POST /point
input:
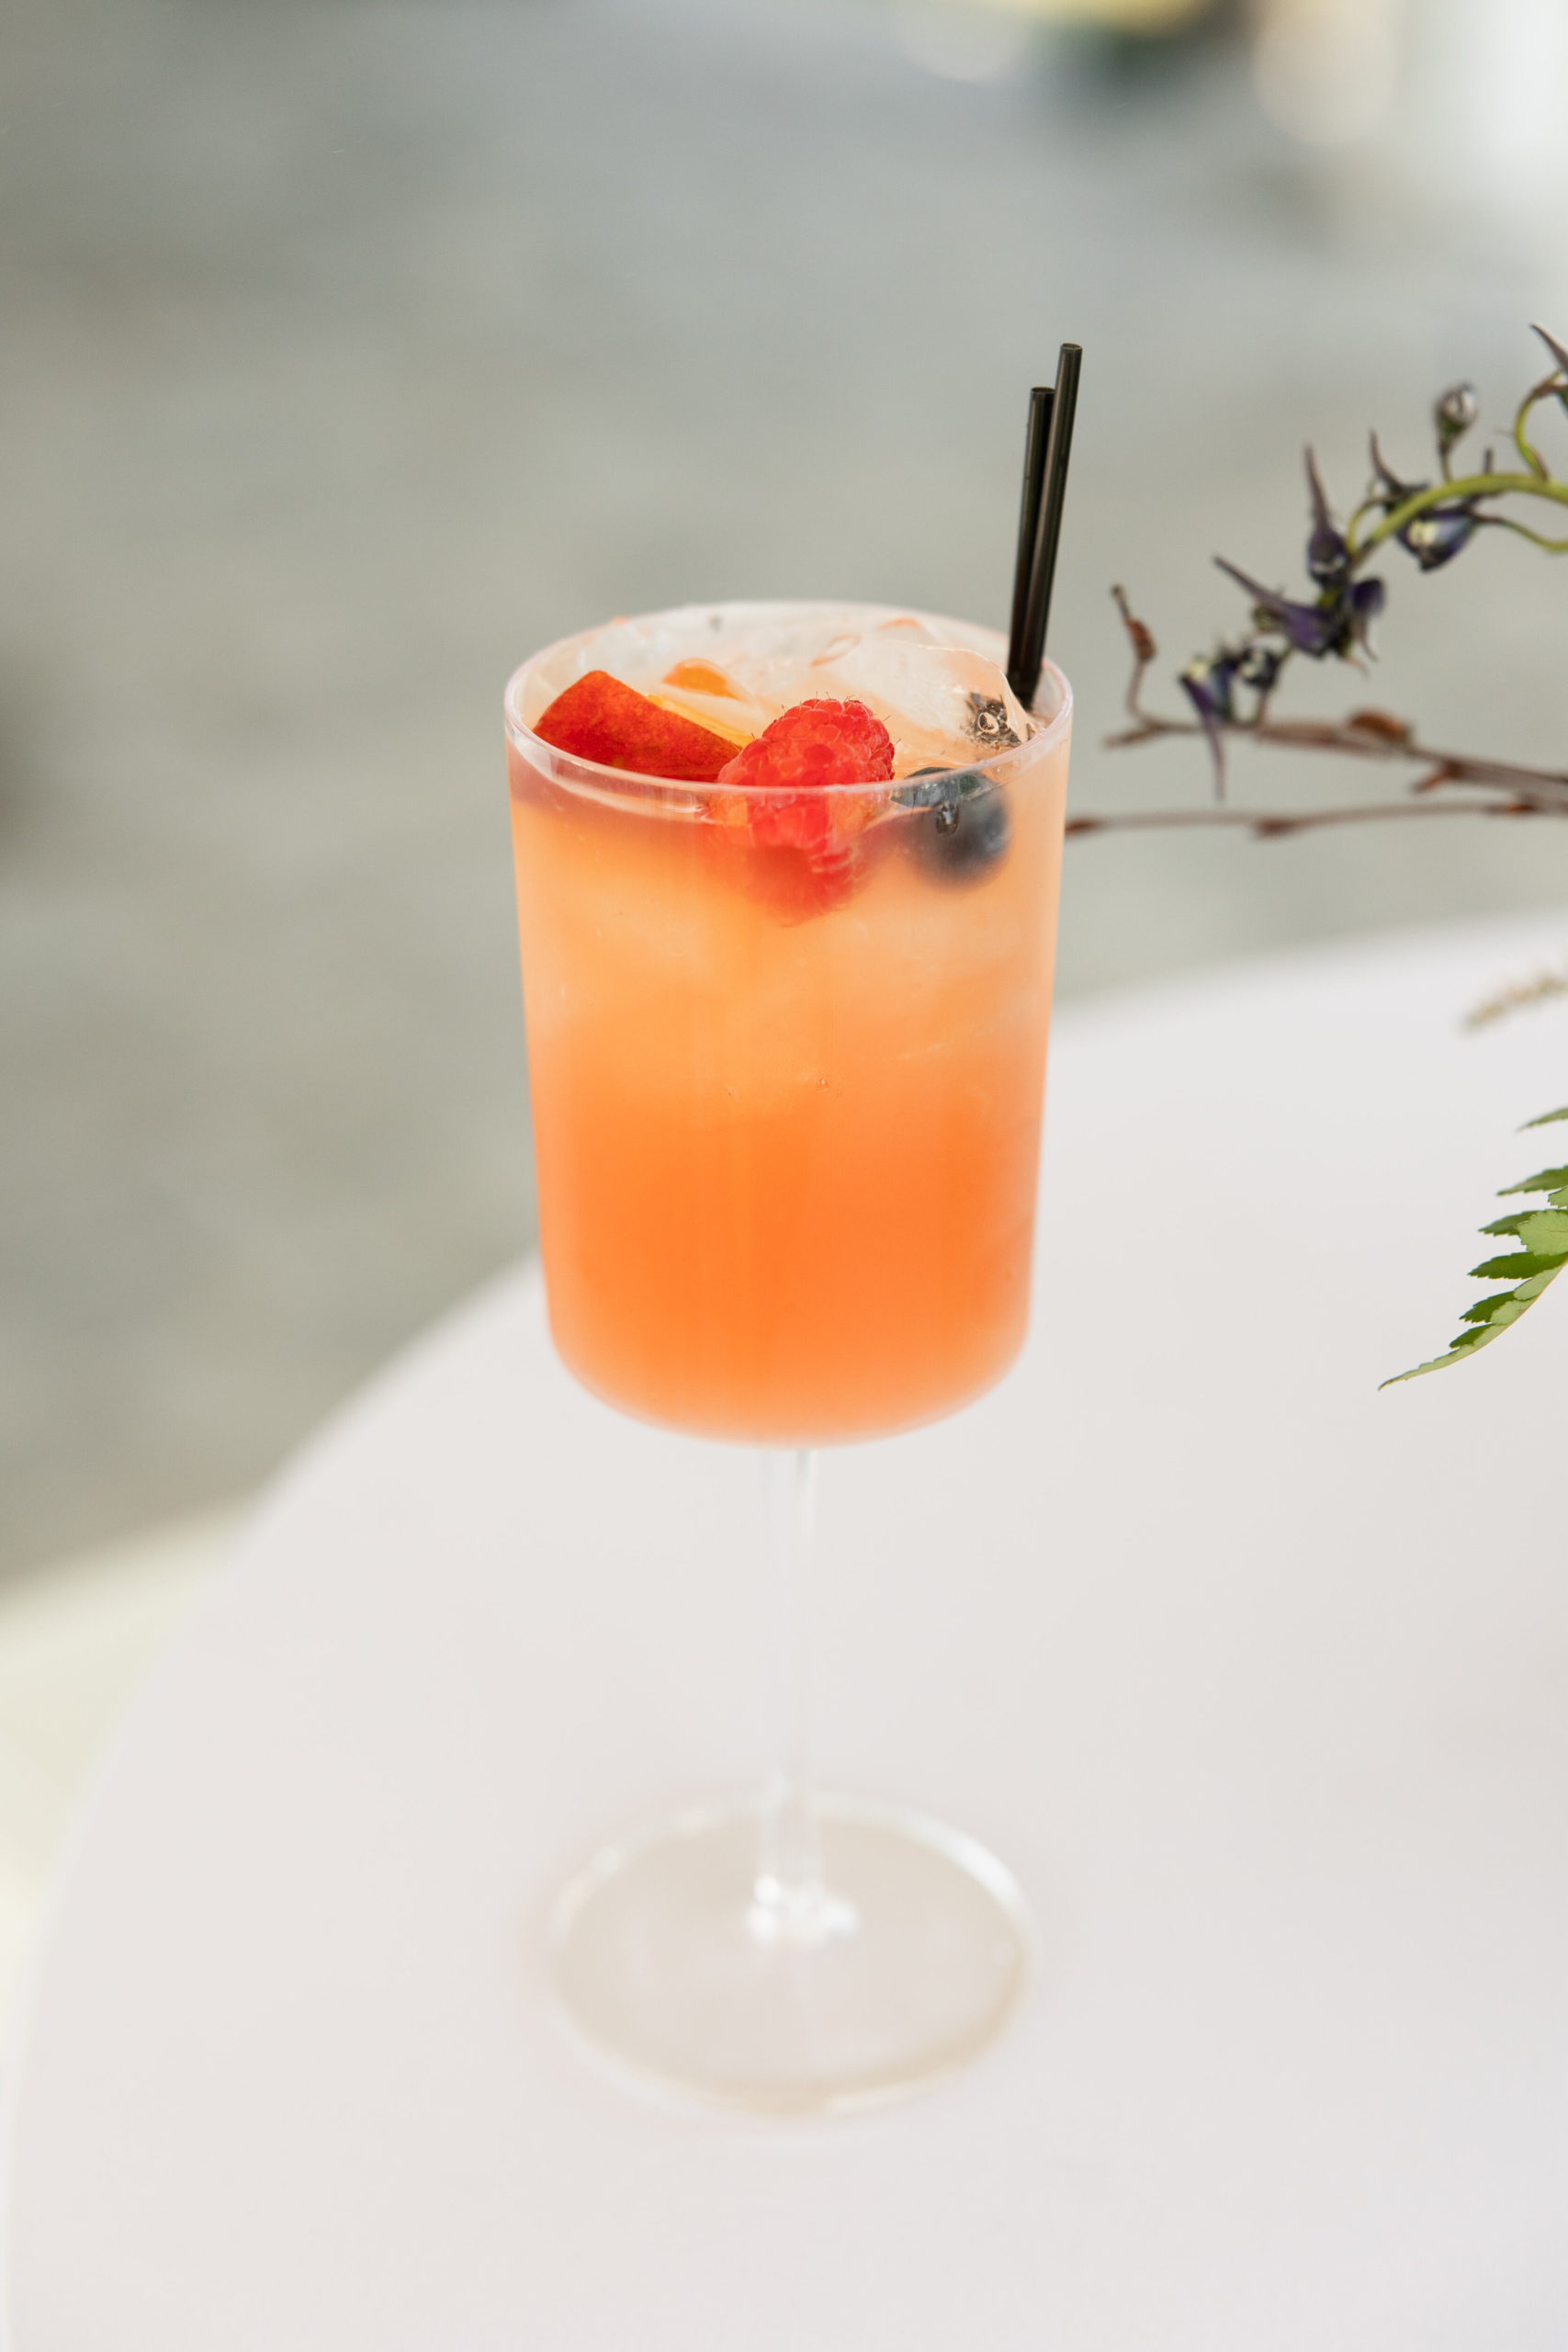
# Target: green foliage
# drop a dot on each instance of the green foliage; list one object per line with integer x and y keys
{"x": 1542, "y": 1236}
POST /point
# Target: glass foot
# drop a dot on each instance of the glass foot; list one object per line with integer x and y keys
{"x": 676, "y": 1963}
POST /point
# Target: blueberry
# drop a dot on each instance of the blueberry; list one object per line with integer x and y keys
{"x": 961, "y": 839}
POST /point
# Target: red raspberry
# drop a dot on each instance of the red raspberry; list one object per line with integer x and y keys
{"x": 815, "y": 743}
{"x": 812, "y": 746}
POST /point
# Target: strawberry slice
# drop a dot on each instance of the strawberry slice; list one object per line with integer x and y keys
{"x": 599, "y": 718}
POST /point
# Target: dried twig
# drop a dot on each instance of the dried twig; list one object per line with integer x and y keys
{"x": 1517, "y": 997}
{"x": 1267, "y": 826}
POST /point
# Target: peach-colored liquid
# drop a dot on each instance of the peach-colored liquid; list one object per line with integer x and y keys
{"x": 786, "y": 1166}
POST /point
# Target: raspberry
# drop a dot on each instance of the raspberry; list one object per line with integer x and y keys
{"x": 788, "y": 765}
{"x": 815, "y": 743}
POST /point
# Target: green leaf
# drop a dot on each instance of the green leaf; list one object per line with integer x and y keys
{"x": 1542, "y": 1235}
{"x": 1523, "y": 1262}
{"x": 1545, "y": 1120}
{"x": 1546, "y": 1181}
{"x": 1542, "y": 1229}
{"x": 1489, "y": 1317}
{"x": 1482, "y": 1311}
{"x": 1531, "y": 1290}
{"x": 1498, "y": 1312}
{"x": 1465, "y": 1345}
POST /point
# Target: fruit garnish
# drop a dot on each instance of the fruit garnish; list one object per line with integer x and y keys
{"x": 709, "y": 696}
{"x": 963, "y": 825}
{"x": 815, "y": 745}
{"x": 961, "y": 839}
{"x": 700, "y": 678}
{"x": 599, "y": 718}
{"x": 789, "y": 771}
{"x": 733, "y": 736}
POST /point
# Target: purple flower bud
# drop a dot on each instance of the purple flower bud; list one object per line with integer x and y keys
{"x": 1314, "y": 630}
{"x": 1436, "y": 538}
{"x": 1259, "y": 666}
{"x": 1207, "y": 681}
{"x": 1368, "y": 598}
{"x": 1328, "y": 558}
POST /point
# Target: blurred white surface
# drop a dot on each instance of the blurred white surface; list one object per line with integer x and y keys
{"x": 76, "y": 1639}
{"x": 1257, "y": 1676}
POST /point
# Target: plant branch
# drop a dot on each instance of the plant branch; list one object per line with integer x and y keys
{"x": 1229, "y": 690}
{"x": 1522, "y": 442}
{"x": 1371, "y": 735}
{"x": 1140, "y": 637}
{"x": 1535, "y": 538}
{"x": 1515, "y": 997}
{"x": 1269, "y": 826}
{"x": 1447, "y": 493}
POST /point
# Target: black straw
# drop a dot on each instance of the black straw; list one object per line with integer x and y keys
{"x": 1025, "y": 678}
{"x": 1029, "y": 519}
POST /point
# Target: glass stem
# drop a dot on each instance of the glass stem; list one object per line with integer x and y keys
{"x": 788, "y": 1900}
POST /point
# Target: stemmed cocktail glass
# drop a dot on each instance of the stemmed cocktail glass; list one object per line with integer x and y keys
{"x": 787, "y": 1104}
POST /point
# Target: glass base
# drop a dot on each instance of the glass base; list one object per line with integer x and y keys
{"x": 676, "y": 1965}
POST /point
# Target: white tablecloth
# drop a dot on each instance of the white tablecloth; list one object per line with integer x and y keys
{"x": 1258, "y": 1679}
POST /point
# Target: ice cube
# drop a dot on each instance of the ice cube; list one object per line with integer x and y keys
{"x": 702, "y": 691}
{"x": 943, "y": 705}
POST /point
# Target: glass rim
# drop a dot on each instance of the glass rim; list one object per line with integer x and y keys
{"x": 1000, "y": 764}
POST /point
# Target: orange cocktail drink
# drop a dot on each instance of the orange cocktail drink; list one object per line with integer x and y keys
{"x": 787, "y": 1048}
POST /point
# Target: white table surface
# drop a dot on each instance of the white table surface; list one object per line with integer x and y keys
{"x": 1257, "y": 1678}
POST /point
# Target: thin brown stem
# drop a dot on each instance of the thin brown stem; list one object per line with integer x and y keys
{"x": 1144, "y": 651}
{"x": 1373, "y": 736}
{"x": 1267, "y": 825}
{"x": 1517, "y": 997}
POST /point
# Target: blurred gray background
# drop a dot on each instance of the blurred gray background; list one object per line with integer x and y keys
{"x": 353, "y": 349}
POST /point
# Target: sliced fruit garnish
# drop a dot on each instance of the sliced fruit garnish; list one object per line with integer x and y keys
{"x": 704, "y": 693}
{"x": 599, "y": 718}
{"x": 733, "y": 736}
{"x": 700, "y": 678}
